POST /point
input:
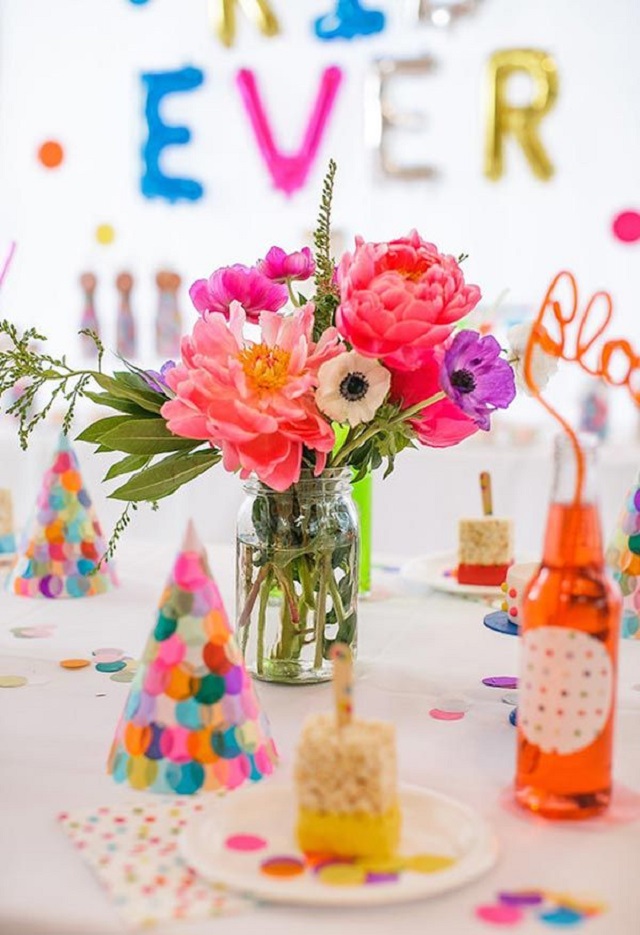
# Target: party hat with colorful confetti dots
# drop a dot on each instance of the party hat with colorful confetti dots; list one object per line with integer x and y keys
{"x": 192, "y": 721}
{"x": 623, "y": 559}
{"x": 62, "y": 546}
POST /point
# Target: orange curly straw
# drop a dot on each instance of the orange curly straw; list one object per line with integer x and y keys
{"x": 584, "y": 344}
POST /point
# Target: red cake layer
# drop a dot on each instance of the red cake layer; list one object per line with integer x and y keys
{"x": 482, "y": 574}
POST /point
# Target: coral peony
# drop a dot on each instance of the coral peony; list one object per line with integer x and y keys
{"x": 442, "y": 424}
{"x": 238, "y": 283}
{"x": 280, "y": 266}
{"x": 254, "y": 401}
{"x": 475, "y": 378}
{"x": 400, "y": 299}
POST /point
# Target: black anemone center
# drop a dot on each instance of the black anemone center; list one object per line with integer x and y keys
{"x": 463, "y": 380}
{"x": 354, "y": 386}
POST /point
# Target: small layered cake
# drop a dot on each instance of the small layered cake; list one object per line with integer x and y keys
{"x": 346, "y": 780}
{"x": 518, "y": 577}
{"x": 485, "y": 550}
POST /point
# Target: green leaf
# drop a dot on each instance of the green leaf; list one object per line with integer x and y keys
{"x": 122, "y": 389}
{"x": 128, "y": 465}
{"x": 95, "y": 431}
{"x": 163, "y": 479}
{"x": 122, "y": 405}
{"x": 145, "y": 437}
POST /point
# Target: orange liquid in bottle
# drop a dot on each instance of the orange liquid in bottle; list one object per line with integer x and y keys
{"x": 568, "y": 678}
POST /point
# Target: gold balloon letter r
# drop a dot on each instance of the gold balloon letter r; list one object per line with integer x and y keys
{"x": 504, "y": 118}
{"x": 223, "y": 16}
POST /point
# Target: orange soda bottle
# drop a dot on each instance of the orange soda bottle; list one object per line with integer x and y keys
{"x": 568, "y": 675}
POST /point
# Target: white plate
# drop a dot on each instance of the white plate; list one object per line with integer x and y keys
{"x": 432, "y": 824}
{"x": 429, "y": 571}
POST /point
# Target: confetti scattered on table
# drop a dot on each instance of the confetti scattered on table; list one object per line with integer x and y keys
{"x": 245, "y": 842}
{"x": 108, "y": 651}
{"x": 513, "y": 717}
{"x": 428, "y": 863}
{"x": 501, "y": 681}
{"x": 110, "y": 666}
{"x": 75, "y": 663}
{"x": 283, "y": 867}
{"x": 553, "y": 909}
{"x": 521, "y": 897}
{"x": 561, "y": 916}
{"x": 510, "y": 698}
{"x": 33, "y": 633}
{"x": 13, "y": 681}
{"x": 125, "y": 676}
{"x": 499, "y": 914}
{"x": 439, "y": 715}
{"x": 452, "y": 703}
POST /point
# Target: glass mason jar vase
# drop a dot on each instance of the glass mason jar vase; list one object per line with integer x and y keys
{"x": 297, "y": 576}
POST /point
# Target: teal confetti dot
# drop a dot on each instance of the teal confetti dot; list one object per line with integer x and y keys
{"x": 110, "y": 666}
{"x": 561, "y": 916}
{"x": 211, "y": 689}
{"x": 185, "y": 779}
{"x": 188, "y": 714}
{"x": 165, "y": 627}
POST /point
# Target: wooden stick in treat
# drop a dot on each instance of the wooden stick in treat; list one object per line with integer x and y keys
{"x": 342, "y": 683}
{"x": 487, "y": 496}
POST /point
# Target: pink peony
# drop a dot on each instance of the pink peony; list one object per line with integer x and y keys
{"x": 280, "y": 266}
{"x": 442, "y": 424}
{"x": 237, "y": 283}
{"x": 254, "y": 401}
{"x": 400, "y": 299}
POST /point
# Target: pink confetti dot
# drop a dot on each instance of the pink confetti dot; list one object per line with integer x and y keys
{"x": 497, "y": 914}
{"x": 626, "y": 226}
{"x": 440, "y": 715}
{"x": 245, "y": 842}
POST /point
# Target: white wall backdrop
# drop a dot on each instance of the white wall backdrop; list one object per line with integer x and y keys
{"x": 70, "y": 70}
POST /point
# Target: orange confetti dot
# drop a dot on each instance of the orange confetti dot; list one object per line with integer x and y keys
{"x": 282, "y": 867}
{"x": 137, "y": 739}
{"x": 182, "y": 684}
{"x": 199, "y": 746}
{"x": 51, "y": 154}
{"x": 75, "y": 663}
{"x": 71, "y": 480}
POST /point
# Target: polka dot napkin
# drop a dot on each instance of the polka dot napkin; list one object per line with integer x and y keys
{"x": 134, "y": 852}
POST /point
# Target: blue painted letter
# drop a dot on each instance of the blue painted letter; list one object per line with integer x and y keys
{"x": 154, "y": 183}
{"x": 348, "y": 21}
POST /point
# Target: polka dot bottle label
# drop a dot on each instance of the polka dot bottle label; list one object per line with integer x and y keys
{"x": 566, "y": 689}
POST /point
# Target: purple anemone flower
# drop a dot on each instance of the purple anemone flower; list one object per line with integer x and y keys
{"x": 155, "y": 379}
{"x": 475, "y": 378}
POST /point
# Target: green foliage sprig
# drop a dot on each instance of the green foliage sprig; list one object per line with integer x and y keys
{"x": 326, "y": 298}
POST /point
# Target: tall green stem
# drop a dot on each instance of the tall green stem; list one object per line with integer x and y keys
{"x": 406, "y": 414}
{"x": 321, "y": 609}
{"x": 262, "y": 622}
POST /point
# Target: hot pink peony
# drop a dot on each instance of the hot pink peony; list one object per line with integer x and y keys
{"x": 238, "y": 283}
{"x": 254, "y": 401}
{"x": 441, "y": 425}
{"x": 400, "y": 299}
{"x": 280, "y": 266}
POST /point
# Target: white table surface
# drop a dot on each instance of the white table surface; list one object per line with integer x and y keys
{"x": 413, "y": 649}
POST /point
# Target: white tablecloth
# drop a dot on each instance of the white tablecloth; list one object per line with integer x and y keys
{"x": 55, "y": 737}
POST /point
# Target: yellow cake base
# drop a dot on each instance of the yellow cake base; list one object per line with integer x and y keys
{"x": 354, "y": 834}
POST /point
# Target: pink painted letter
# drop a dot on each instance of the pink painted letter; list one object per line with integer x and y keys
{"x": 289, "y": 172}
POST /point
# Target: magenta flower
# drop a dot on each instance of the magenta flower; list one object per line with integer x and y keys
{"x": 238, "y": 283}
{"x": 280, "y": 266}
{"x": 475, "y": 378}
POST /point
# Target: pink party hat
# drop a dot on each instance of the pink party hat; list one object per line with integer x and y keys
{"x": 64, "y": 543}
{"x": 192, "y": 721}
{"x": 623, "y": 559}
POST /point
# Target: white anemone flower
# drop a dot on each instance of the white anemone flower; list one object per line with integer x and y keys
{"x": 351, "y": 388}
{"x": 543, "y": 365}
